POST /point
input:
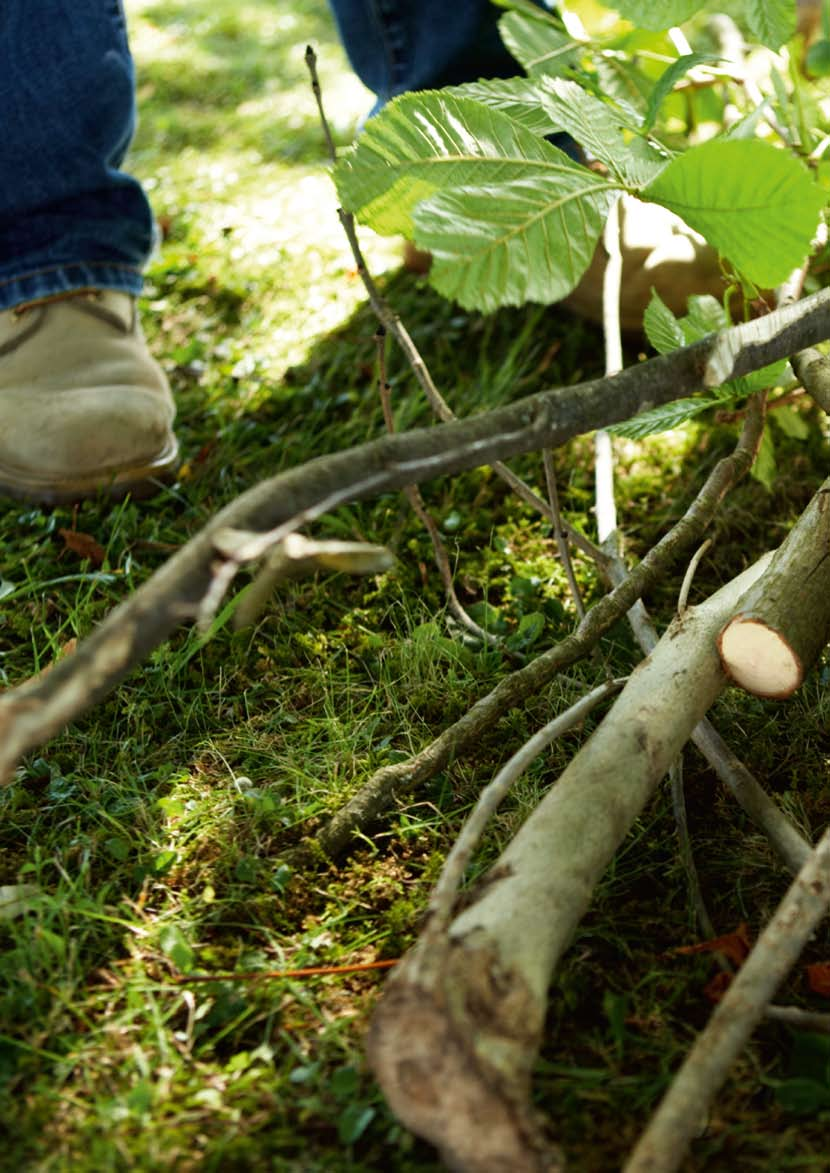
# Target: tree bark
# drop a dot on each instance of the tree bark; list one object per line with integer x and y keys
{"x": 783, "y": 622}
{"x": 455, "y": 1035}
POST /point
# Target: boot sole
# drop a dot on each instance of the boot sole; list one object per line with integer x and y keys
{"x": 140, "y": 481}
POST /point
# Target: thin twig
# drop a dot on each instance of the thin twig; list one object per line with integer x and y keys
{"x": 662, "y": 1147}
{"x": 687, "y": 855}
{"x": 558, "y": 532}
{"x": 418, "y": 505}
{"x": 688, "y": 577}
{"x": 391, "y": 323}
{"x": 446, "y": 889}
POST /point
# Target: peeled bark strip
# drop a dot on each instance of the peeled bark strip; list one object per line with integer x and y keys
{"x": 783, "y": 622}
{"x": 455, "y": 1035}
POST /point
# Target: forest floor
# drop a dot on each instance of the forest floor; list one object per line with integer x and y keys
{"x": 156, "y": 827}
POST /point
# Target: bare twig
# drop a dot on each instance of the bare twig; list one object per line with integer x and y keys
{"x": 662, "y": 1147}
{"x": 445, "y": 891}
{"x": 688, "y": 577}
{"x": 558, "y": 533}
{"x": 418, "y": 505}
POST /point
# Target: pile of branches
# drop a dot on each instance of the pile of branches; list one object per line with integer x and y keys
{"x": 455, "y": 1034}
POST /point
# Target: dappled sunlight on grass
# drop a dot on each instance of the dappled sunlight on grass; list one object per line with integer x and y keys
{"x": 247, "y": 148}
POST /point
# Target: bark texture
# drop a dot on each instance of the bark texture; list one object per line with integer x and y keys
{"x": 454, "y": 1037}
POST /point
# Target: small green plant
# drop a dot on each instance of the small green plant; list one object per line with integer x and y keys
{"x": 469, "y": 174}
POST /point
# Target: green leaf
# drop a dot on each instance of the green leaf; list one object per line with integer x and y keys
{"x": 765, "y": 468}
{"x": 517, "y": 97}
{"x": 754, "y": 203}
{"x": 803, "y": 1097}
{"x": 791, "y": 422}
{"x": 174, "y": 944}
{"x": 598, "y": 126}
{"x": 657, "y": 14}
{"x": 669, "y": 79}
{"x": 772, "y": 22}
{"x": 424, "y": 143}
{"x": 661, "y": 326}
{"x": 529, "y": 631}
{"x": 664, "y": 418}
{"x": 353, "y": 1122}
{"x": 538, "y": 44}
{"x": 526, "y": 240}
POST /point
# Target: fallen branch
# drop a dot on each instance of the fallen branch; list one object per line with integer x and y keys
{"x": 454, "y": 1037}
{"x": 783, "y": 623}
{"x": 680, "y": 1116}
{"x": 389, "y": 784}
{"x": 39, "y": 708}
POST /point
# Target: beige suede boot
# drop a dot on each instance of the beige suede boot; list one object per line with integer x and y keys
{"x": 84, "y": 408}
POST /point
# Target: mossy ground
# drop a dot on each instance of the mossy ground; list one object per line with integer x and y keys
{"x": 156, "y": 827}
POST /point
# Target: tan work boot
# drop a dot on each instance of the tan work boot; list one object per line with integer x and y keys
{"x": 84, "y": 408}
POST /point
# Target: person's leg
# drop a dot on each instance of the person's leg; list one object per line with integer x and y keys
{"x": 82, "y": 404}
{"x": 395, "y": 46}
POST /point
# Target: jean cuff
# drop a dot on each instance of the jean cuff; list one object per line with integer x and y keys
{"x": 54, "y": 279}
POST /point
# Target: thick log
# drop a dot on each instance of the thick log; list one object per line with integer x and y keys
{"x": 455, "y": 1035}
{"x": 783, "y": 622}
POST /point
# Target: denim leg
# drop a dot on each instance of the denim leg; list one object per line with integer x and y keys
{"x": 69, "y": 218}
{"x": 397, "y": 45}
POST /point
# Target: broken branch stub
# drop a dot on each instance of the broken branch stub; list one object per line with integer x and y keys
{"x": 783, "y": 621}
{"x": 454, "y": 1037}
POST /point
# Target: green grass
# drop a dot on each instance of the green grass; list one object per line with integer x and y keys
{"x": 157, "y": 826}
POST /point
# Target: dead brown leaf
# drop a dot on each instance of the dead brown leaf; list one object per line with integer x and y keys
{"x": 84, "y": 545}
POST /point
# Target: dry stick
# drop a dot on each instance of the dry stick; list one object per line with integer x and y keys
{"x": 391, "y": 323}
{"x": 454, "y": 1037}
{"x": 446, "y": 889}
{"x": 391, "y": 783}
{"x": 418, "y": 505}
{"x": 35, "y": 710}
{"x": 559, "y": 534}
{"x": 663, "y": 1146}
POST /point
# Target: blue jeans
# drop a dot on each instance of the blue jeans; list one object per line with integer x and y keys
{"x": 69, "y": 217}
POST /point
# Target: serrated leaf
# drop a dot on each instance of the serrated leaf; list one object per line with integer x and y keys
{"x": 705, "y": 316}
{"x": 424, "y": 143}
{"x": 661, "y": 326}
{"x": 755, "y": 204}
{"x": 537, "y": 43}
{"x": 664, "y": 418}
{"x": 527, "y": 240}
{"x": 656, "y": 14}
{"x": 517, "y": 97}
{"x": 772, "y": 22}
{"x": 668, "y": 80}
{"x": 621, "y": 80}
{"x": 598, "y": 127}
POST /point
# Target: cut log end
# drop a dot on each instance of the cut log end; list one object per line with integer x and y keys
{"x": 759, "y": 658}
